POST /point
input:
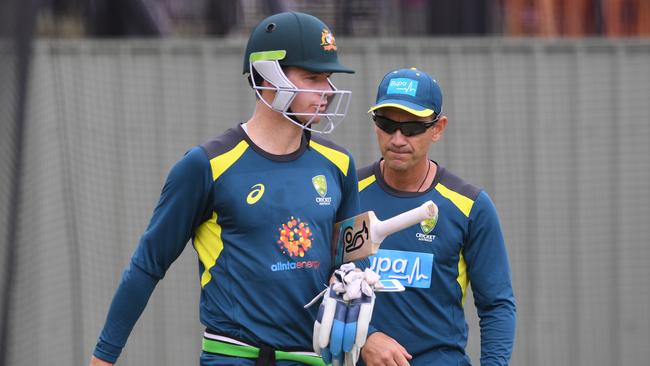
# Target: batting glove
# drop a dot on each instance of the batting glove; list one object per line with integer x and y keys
{"x": 341, "y": 327}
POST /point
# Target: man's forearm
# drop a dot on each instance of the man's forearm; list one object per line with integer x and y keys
{"x": 128, "y": 303}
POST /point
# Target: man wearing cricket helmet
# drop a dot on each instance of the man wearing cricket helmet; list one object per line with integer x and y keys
{"x": 259, "y": 203}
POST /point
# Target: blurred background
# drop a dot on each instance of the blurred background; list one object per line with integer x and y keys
{"x": 549, "y": 108}
{"x": 357, "y": 18}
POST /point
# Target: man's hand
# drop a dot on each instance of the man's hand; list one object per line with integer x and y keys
{"x": 382, "y": 350}
{"x": 94, "y": 361}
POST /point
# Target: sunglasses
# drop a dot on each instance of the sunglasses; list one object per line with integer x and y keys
{"x": 407, "y": 128}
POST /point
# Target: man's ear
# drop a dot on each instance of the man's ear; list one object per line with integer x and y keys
{"x": 439, "y": 128}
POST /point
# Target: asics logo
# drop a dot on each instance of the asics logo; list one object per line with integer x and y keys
{"x": 256, "y": 193}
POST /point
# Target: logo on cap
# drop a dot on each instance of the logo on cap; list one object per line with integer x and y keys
{"x": 327, "y": 40}
{"x": 402, "y": 86}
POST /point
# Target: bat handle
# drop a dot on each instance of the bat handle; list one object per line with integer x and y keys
{"x": 382, "y": 229}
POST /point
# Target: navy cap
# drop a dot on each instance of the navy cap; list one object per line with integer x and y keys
{"x": 411, "y": 90}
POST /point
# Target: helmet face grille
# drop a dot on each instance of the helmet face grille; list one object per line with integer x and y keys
{"x": 336, "y": 101}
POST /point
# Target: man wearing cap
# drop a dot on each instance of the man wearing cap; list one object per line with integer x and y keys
{"x": 438, "y": 259}
{"x": 259, "y": 203}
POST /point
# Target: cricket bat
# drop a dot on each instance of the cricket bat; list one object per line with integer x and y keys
{"x": 360, "y": 236}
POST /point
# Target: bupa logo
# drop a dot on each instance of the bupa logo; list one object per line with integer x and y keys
{"x": 320, "y": 185}
{"x": 402, "y": 86}
{"x": 411, "y": 269}
{"x": 427, "y": 226}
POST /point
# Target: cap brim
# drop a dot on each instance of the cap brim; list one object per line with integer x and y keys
{"x": 412, "y": 108}
{"x": 323, "y": 67}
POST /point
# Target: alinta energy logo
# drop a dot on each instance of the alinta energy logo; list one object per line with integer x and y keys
{"x": 320, "y": 185}
{"x": 427, "y": 227}
{"x": 295, "y": 241}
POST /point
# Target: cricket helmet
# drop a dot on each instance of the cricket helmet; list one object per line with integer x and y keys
{"x": 299, "y": 40}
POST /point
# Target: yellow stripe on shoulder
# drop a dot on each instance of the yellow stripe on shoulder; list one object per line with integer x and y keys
{"x": 463, "y": 203}
{"x": 208, "y": 245}
{"x": 341, "y": 160}
{"x": 366, "y": 182}
{"x": 222, "y": 162}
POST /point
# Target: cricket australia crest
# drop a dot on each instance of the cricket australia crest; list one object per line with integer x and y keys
{"x": 427, "y": 226}
{"x": 320, "y": 185}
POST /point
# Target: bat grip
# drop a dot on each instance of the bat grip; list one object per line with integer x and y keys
{"x": 384, "y": 228}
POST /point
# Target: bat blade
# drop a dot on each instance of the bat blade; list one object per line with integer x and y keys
{"x": 360, "y": 236}
{"x": 351, "y": 239}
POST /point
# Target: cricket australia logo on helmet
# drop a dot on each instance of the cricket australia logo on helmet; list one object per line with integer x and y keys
{"x": 327, "y": 40}
{"x": 320, "y": 185}
{"x": 303, "y": 41}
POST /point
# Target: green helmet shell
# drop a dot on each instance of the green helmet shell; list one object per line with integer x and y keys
{"x": 306, "y": 41}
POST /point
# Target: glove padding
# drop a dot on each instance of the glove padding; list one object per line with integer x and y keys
{"x": 341, "y": 327}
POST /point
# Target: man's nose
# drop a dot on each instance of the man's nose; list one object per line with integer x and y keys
{"x": 327, "y": 91}
{"x": 397, "y": 138}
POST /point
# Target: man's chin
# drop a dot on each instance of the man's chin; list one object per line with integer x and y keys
{"x": 397, "y": 165}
